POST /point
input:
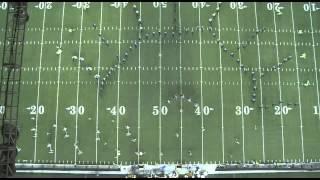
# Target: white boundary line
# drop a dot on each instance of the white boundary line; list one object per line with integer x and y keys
{"x": 298, "y": 78}
{"x": 314, "y": 55}
{"x": 38, "y": 91}
{"x": 118, "y": 94}
{"x": 98, "y": 84}
{"x": 260, "y": 83}
{"x": 58, "y": 86}
{"x": 78, "y": 83}
{"x": 93, "y": 172}
{"x": 200, "y": 56}
{"x": 180, "y": 73}
{"x": 128, "y": 28}
{"x": 139, "y": 90}
{"x": 153, "y": 42}
{"x": 221, "y": 90}
{"x": 241, "y": 89}
{"x": 160, "y": 104}
{"x": 279, "y": 81}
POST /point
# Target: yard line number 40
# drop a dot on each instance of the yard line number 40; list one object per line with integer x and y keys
{"x": 206, "y": 110}
{"x": 125, "y": 4}
{"x": 114, "y": 110}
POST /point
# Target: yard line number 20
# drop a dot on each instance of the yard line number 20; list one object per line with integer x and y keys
{"x": 44, "y": 5}
{"x": 36, "y": 110}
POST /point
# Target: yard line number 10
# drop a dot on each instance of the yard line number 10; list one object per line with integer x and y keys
{"x": 316, "y": 109}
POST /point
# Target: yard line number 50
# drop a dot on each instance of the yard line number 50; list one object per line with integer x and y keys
{"x": 159, "y": 4}
{"x": 156, "y": 110}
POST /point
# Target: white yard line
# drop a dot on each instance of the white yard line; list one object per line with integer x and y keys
{"x": 78, "y": 83}
{"x": 139, "y": 90}
{"x": 241, "y": 89}
{"x": 260, "y": 83}
{"x": 221, "y": 90}
{"x": 279, "y": 81}
{"x": 118, "y": 93}
{"x": 38, "y": 90}
{"x": 58, "y": 86}
{"x": 314, "y": 55}
{"x": 298, "y": 79}
{"x": 200, "y": 57}
{"x": 98, "y": 86}
{"x": 180, "y": 74}
{"x": 160, "y": 104}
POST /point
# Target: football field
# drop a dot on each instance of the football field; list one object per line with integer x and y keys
{"x": 128, "y": 83}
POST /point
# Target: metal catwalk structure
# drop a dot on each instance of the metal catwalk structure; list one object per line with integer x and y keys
{"x": 17, "y": 17}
